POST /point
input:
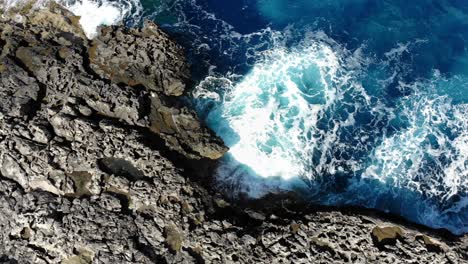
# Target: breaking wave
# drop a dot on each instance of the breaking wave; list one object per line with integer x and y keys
{"x": 303, "y": 113}
{"x": 93, "y": 13}
{"x": 271, "y": 112}
{"x": 305, "y": 118}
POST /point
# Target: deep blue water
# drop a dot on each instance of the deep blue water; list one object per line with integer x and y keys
{"x": 350, "y": 102}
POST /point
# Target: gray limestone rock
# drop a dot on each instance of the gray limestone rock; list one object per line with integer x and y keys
{"x": 140, "y": 57}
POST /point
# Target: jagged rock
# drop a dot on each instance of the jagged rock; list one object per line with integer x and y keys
{"x": 221, "y": 203}
{"x": 26, "y": 233}
{"x": 140, "y": 57}
{"x": 183, "y": 132}
{"x": 121, "y": 167}
{"x": 295, "y": 227}
{"x": 54, "y": 16}
{"x": 256, "y": 216}
{"x": 84, "y": 257}
{"x": 81, "y": 180}
{"x": 323, "y": 245}
{"x": 386, "y": 235}
{"x": 51, "y": 71}
{"x": 18, "y": 90}
{"x": 12, "y": 170}
{"x": 173, "y": 237}
{"x": 432, "y": 244}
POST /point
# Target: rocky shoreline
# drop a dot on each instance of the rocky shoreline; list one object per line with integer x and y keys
{"x": 101, "y": 162}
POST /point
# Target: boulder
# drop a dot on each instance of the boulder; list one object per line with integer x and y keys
{"x": 386, "y": 235}
{"x": 432, "y": 244}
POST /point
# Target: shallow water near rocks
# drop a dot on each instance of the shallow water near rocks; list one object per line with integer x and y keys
{"x": 353, "y": 102}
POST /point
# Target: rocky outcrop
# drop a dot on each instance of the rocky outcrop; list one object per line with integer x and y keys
{"x": 66, "y": 76}
{"x": 100, "y": 163}
{"x": 140, "y": 57}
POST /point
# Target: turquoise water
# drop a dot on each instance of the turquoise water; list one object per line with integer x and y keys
{"x": 351, "y": 102}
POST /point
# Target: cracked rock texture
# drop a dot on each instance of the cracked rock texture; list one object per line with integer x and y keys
{"x": 100, "y": 162}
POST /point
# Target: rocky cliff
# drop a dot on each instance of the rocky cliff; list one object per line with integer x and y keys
{"x": 101, "y": 162}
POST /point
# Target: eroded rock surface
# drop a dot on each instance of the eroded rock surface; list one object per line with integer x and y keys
{"x": 140, "y": 57}
{"x": 52, "y": 72}
{"x": 99, "y": 162}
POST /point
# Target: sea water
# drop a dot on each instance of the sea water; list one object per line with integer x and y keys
{"x": 347, "y": 102}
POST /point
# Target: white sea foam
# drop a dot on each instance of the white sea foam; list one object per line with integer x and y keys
{"x": 93, "y": 13}
{"x": 268, "y": 117}
{"x": 270, "y": 110}
{"x": 8, "y": 4}
{"x": 402, "y": 157}
{"x": 428, "y": 159}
